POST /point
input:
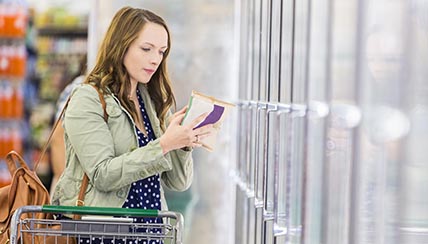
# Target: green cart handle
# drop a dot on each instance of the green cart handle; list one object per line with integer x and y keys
{"x": 107, "y": 211}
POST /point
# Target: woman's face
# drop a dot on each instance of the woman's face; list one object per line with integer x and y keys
{"x": 146, "y": 53}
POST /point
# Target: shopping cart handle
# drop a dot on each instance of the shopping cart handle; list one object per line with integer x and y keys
{"x": 106, "y": 211}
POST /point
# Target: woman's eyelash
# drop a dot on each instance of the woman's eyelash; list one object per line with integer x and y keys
{"x": 149, "y": 49}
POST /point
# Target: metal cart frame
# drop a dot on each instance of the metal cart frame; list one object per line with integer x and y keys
{"x": 120, "y": 227}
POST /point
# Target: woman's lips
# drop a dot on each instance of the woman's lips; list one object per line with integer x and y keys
{"x": 149, "y": 71}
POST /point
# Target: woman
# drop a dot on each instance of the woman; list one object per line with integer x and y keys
{"x": 141, "y": 145}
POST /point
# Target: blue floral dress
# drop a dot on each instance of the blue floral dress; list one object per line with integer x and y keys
{"x": 144, "y": 193}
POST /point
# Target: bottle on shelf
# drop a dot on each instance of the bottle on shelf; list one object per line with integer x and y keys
{"x": 13, "y": 25}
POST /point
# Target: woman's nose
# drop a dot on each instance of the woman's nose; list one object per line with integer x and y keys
{"x": 156, "y": 58}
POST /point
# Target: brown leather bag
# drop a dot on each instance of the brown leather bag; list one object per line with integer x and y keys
{"x": 27, "y": 189}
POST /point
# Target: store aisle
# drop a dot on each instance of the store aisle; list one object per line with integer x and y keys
{"x": 202, "y": 59}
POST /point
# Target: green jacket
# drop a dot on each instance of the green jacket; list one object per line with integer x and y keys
{"x": 108, "y": 152}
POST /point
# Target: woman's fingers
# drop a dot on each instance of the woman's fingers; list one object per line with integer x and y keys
{"x": 204, "y": 130}
{"x": 186, "y": 135}
{"x": 179, "y": 112}
{"x": 201, "y": 133}
{"x": 205, "y": 135}
{"x": 177, "y": 119}
{"x": 196, "y": 144}
{"x": 183, "y": 110}
{"x": 198, "y": 120}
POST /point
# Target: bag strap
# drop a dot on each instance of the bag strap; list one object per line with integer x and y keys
{"x": 11, "y": 163}
{"x": 48, "y": 142}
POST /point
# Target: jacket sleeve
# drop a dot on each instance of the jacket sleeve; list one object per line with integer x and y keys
{"x": 92, "y": 143}
{"x": 180, "y": 177}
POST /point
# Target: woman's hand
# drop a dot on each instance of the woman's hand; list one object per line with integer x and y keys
{"x": 180, "y": 112}
{"x": 178, "y": 136}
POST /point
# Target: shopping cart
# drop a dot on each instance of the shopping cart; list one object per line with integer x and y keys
{"x": 112, "y": 224}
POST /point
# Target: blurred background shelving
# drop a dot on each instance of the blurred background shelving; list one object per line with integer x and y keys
{"x": 13, "y": 63}
{"x": 61, "y": 42}
{"x": 40, "y": 53}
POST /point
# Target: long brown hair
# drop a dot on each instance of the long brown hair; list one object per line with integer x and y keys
{"x": 110, "y": 72}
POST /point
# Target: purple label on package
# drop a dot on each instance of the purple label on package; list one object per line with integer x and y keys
{"x": 213, "y": 117}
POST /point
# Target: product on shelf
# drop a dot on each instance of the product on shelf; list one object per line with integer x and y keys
{"x": 13, "y": 62}
{"x": 11, "y": 101}
{"x": 13, "y": 20}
